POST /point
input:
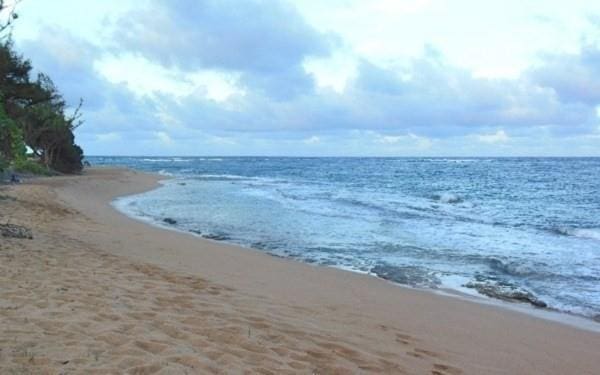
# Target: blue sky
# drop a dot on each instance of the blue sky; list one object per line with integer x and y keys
{"x": 338, "y": 77}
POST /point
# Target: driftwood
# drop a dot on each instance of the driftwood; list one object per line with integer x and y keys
{"x": 15, "y": 231}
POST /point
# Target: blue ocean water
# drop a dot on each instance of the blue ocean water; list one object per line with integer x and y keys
{"x": 525, "y": 229}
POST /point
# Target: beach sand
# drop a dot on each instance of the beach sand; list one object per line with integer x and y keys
{"x": 95, "y": 292}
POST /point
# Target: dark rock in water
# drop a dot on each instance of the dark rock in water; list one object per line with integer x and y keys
{"x": 408, "y": 275}
{"x": 196, "y": 231}
{"x": 181, "y": 183}
{"x": 506, "y": 292}
{"x": 216, "y": 237}
{"x": 169, "y": 220}
{"x": 15, "y": 231}
{"x": 596, "y": 318}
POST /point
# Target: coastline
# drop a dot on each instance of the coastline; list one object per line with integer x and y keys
{"x": 466, "y": 294}
{"x": 313, "y": 318}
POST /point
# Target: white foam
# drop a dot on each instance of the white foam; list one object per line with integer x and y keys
{"x": 225, "y": 176}
{"x": 155, "y": 160}
{"x": 591, "y": 233}
{"x": 449, "y": 198}
{"x": 587, "y": 233}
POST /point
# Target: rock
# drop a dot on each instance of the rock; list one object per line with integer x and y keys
{"x": 216, "y": 237}
{"x": 506, "y": 292}
{"x": 407, "y": 275}
{"x": 15, "y": 231}
{"x": 169, "y": 220}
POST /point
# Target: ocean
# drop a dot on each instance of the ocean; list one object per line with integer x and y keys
{"x": 517, "y": 229}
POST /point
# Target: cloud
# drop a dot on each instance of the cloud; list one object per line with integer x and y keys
{"x": 312, "y": 140}
{"x": 208, "y": 74}
{"x": 108, "y": 137}
{"x": 425, "y": 97}
{"x": 265, "y": 41}
{"x": 67, "y": 60}
{"x": 498, "y": 137}
{"x": 109, "y": 108}
{"x": 574, "y": 77}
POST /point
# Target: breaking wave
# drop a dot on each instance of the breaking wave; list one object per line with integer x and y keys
{"x": 590, "y": 233}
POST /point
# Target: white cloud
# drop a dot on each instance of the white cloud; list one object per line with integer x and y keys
{"x": 404, "y": 142}
{"x": 164, "y": 137}
{"x": 334, "y": 72}
{"x": 498, "y": 137}
{"x": 398, "y": 7}
{"x": 227, "y": 141}
{"x": 312, "y": 140}
{"x": 108, "y": 137}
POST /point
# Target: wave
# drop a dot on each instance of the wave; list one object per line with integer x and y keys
{"x": 164, "y": 160}
{"x": 457, "y": 161}
{"x": 449, "y": 198}
{"x": 224, "y": 177}
{"x": 156, "y": 160}
{"x": 516, "y": 268}
{"x": 589, "y": 233}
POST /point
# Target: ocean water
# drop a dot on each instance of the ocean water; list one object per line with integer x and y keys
{"x": 517, "y": 229}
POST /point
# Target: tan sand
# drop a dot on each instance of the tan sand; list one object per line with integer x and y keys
{"x": 98, "y": 293}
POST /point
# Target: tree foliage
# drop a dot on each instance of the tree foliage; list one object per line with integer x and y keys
{"x": 33, "y": 115}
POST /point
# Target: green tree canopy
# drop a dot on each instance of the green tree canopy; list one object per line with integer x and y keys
{"x": 33, "y": 114}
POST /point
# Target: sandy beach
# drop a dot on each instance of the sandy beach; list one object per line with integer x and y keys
{"x": 95, "y": 292}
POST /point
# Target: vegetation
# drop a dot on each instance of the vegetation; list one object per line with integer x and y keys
{"x": 33, "y": 117}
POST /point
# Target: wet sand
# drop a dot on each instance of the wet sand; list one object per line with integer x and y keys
{"x": 97, "y": 292}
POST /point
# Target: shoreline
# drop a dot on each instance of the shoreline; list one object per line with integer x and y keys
{"x": 556, "y": 316}
{"x": 161, "y": 299}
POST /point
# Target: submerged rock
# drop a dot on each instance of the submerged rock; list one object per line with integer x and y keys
{"x": 407, "y": 275}
{"x": 216, "y": 237}
{"x": 506, "y": 292}
{"x": 169, "y": 220}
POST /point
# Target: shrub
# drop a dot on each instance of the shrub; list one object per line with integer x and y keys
{"x": 31, "y": 167}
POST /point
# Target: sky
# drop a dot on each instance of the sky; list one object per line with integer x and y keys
{"x": 323, "y": 78}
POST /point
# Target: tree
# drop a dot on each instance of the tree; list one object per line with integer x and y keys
{"x": 33, "y": 114}
{"x": 12, "y": 145}
{"x": 12, "y": 15}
